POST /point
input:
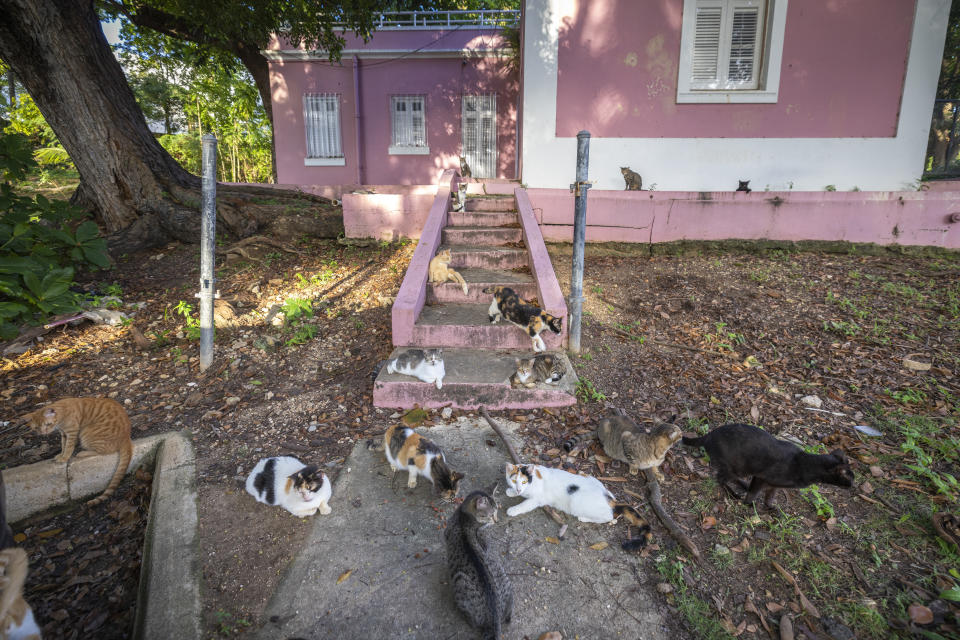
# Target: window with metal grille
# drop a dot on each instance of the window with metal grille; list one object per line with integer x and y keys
{"x": 479, "y": 124}
{"x": 409, "y": 126}
{"x": 731, "y": 50}
{"x": 321, "y": 117}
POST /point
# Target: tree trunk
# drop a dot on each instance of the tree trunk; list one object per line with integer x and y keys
{"x": 259, "y": 68}
{"x": 141, "y": 196}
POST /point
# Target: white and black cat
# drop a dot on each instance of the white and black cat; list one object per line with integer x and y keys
{"x": 582, "y": 496}
{"x": 286, "y": 482}
{"x": 423, "y": 364}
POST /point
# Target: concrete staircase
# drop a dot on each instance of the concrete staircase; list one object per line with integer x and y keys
{"x": 494, "y": 241}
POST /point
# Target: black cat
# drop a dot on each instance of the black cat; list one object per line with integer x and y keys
{"x": 744, "y": 186}
{"x": 739, "y": 450}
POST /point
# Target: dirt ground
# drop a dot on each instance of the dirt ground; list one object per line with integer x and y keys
{"x": 710, "y": 338}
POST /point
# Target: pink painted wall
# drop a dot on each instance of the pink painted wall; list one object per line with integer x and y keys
{"x": 388, "y": 216}
{"x": 842, "y": 73}
{"x": 881, "y": 217}
{"x": 442, "y": 80}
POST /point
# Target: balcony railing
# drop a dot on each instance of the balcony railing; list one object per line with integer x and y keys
{"x": 479, "y": 19}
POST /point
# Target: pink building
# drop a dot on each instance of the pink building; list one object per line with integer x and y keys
{"x": 400, "y": 108}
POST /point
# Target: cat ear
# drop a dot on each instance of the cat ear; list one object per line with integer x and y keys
{"x": 511, "y": 469}
{"x": 839, "y": 454}
{"x": 457, "y": 476}
{"x": 50, "y": 413}
{"x": 537, "y": 473}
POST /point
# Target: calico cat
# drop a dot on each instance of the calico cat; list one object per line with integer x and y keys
{"x": 16, "y": 617}
{"x": 424, "y": 364}
{"x": 622, "y": 439}
{"x": 632, "y": 178}
{"x": 531, "y": 318}
{"x": 465, "y": 168}
{"x": 285, "y": 481}
{"x": 481, "y": 588}
{"x": 99, "y": 425}
{"x": 540, "y": 368}
{"x": 744, "y": 186}
{"x": 440, "y": 270}
{"x": 458, "y": 199}
{"x": 582, "y": 496}
{"x": 740, "y": 450}
{"x": 408, "y": 450}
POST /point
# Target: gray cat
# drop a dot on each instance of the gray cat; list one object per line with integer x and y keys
{"x": 632, "y": 178}
{"x": 481, "y": 588}
{"x": 624, "y": 440}
{"x": 540, "y": 368}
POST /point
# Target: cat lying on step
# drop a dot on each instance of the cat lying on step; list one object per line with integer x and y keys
{"x": 423, "y": 364}
{"x": 286, "y": 482}
{"x": 740, "y": 450}
{"x": 407, "y": 450}
{"x": 582, "y": 496}
{"x": 541, "y": 368}
{"x": 440, "y": 270}
{"x": 531, "y": 318}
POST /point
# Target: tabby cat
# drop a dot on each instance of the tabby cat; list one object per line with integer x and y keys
{"x": 99, "y": 425}
{"x": 465, "y": 168}
{"x": 540, "y": 368}
{"x": 286, "y": 482}
{"x": 440, "y": 270}
{"x": 407, "y": 450}
{"x": 423, "y": 364}
{"x": 582, "y": 496}
{"x": 16, "y": 617}
{"x": 740, "y": 450}
{"x": 622, "y": 439}
{"x": 632, "y": 178}
{"x": 529, "y": 317}
{"x": 481, "y": 588}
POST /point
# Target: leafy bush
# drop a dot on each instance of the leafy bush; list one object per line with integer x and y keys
{"x": 40, "y": 245}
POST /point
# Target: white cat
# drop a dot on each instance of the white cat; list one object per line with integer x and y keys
{"x": 423, "y": 364}
{"x": 285, "y": 481}
{"x": 16, "y": 616}
{"x": 582, "y": 496}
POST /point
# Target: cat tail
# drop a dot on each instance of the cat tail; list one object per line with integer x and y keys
{"x": 693, "y": 442}
{"x": 458, "y": 278}
{"x": 123, "y": 461}
{"x": 572, "y": 443}
{"x": 633, "y": 517}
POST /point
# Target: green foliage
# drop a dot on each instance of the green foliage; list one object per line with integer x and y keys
{"x": 295, "y": 308}
{"x": 41, "y": 244}
{"x": 192, "y": 325}
{"x": 303, "y": 334}
{"x": 586, "y": 392}
{"x": 823, "y": 506}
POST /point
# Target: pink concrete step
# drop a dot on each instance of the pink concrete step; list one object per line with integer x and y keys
{"x": 477, "y": 281}
{"x": 481, "y": 235}
{"x": 473, "y": 379}
{"x": 487, "y": 257}
{"x": 468, "y": 326}
{"x": 483, "y": 219}
{"x": 490, "y": 203}
{"x": 492, "y": 186}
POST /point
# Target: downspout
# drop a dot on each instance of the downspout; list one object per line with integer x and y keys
{"x": 356, "y": 118}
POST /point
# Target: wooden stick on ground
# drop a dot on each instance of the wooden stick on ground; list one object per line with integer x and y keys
{"x": 653, "y": 495}
{"x": 516, "y": 460}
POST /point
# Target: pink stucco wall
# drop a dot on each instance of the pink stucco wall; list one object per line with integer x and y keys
{"x": 442, "y": 80}
{"x": 388, "y": 216}
{"x": 881, "y": 217}
{"x": 842, "y": 73}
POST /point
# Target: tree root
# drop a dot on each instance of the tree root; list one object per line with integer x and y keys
{"x": 653, "y": 495}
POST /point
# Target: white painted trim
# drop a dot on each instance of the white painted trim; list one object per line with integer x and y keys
{"x": 408, "y": 151}
{"x": 708, "y": 164}
{"x": 771, "y": 60}
{"x": 381, "y": 54}
{"x": 324, "y": 162}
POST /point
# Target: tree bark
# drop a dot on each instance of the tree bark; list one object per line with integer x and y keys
{"x": 139, "y": 194}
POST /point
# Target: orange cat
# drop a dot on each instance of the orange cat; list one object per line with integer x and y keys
{"x": 440, "y": 270}
{"x": 100, "y": 425}
{"x": 16, "y": 617}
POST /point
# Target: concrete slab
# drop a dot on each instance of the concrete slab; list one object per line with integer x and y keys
{"x": 390, "y": 541}
{"x": 468, "y": 325}
{"x": 486, "y": 256}
{"x": 474, "y": 378}
{"x": 483, "y": 219}
{"x": 482, "y": 235}
{"x": 501, "y": 202}
{"x": 478, "y": 280}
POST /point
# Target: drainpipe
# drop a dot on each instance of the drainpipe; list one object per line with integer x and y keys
{"x": 356, "y": 117}
{"x": 579, "y": 188}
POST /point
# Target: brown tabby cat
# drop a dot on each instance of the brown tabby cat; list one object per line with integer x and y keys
{"x": 624, "y": 440}
{"x": 100, "y": 425}
{"x": 632, "y": 179}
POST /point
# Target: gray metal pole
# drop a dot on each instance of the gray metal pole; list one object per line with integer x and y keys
{"x": 579, "y": 189}
{"x": 208, "y": 235}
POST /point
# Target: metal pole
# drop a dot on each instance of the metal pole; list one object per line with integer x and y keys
{"x": 579, "y": 189}
{"x": 208, "y": 235}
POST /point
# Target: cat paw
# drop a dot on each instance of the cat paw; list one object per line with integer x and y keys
{"x": 512, "y": 511}
{"x": 325, "y": 510}
{"x": 511, "y": 492}
{"x": 412, "y": 485}
{"x": 61, "y": 458}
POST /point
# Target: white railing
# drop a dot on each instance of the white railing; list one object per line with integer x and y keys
{"x": 478, "y": 19}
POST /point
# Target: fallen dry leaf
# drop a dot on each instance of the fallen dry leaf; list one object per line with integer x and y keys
{"x": 552, "y": 540}
{"x": 344, "y": 575}
{"x": 920, "y": 614}
{"x": 708, "y": 522}
{"x": 600, "y": 546}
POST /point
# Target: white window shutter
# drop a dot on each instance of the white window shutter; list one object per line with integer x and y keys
{"x": 745, "y": 40}
{"x": 479, "y": 123}
{"x": 408, "y": 122}
{"x": 321, "y": 116}
{"x": 706, "y": 43}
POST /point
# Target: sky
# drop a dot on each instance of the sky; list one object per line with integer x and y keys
{"x": 112, "y": 31}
